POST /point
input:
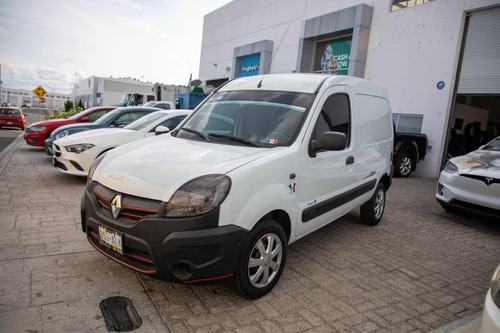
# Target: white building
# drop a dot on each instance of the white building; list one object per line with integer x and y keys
{"x": 101, "y": 91}
{"x": 23, "y": 97}
{"x": 438, "y": 59}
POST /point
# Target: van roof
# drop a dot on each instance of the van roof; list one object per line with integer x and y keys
{"x": 296, "y": 82}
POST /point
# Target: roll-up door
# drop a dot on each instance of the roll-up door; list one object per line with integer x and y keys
{"x": 480, "y": 72}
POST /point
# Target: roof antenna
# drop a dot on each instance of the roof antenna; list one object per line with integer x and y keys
{"x": 265, "y": 72}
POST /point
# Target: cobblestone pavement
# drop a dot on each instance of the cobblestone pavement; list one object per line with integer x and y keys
{"x": 418, "y": 270}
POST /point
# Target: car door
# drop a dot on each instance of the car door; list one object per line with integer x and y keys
{"x": 326, "y": 181}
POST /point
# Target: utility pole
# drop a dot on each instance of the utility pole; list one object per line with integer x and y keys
{"x": 1, "y": 83}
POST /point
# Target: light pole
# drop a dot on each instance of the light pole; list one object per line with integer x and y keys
{"x": 53, "y": 95}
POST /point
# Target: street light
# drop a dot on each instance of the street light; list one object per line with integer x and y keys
{"x": 53, "y": 95}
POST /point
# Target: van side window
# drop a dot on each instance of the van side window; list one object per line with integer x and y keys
{"x": 335, "y": 116}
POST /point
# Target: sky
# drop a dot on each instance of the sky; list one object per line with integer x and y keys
{"x": 56, "y": 43}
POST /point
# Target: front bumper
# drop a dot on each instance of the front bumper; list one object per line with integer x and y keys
{"x": 71, "y": 163}
{"x": 34, "y": 138}
{"x": 469, "y": 194}
{"x": 177, "y": 249}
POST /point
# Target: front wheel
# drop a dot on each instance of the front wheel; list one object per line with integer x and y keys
{"x": 373, "y": 209}
{"x": 262, "y": 261}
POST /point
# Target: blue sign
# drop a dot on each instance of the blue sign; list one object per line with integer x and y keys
{"x": 250, "y": 65}
{"x": 440, "y": 85}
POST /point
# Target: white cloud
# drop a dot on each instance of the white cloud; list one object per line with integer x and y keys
{"x": 64, "y": 41}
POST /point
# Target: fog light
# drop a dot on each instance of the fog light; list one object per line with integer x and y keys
{"x": 440, "y": 189}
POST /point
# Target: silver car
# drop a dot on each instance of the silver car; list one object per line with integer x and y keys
{"x": 472, "y": 182}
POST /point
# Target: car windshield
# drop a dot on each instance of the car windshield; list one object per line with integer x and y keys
{"x": 493, "y": 145}
{"x": 145, "y": 121}
{"x": 149, "y": 104}
{"x": 254, "y": 118}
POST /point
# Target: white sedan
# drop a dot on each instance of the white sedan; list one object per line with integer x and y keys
{"x": 75, "y": 153}
{"x": 472, "y": 182}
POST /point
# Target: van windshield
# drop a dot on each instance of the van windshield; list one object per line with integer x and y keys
{"x": 253, "y": 118}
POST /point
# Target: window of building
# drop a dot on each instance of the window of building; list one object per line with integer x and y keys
{"x": 400, "y": 4}
{"x": 408, "y": 123}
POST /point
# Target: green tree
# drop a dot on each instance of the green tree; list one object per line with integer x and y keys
{"x": 80, "y": 104}
{"x": 68, "y": 105}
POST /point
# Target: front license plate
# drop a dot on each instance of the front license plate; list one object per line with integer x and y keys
{"x": 9, "y": 123}
{"x": 111, "y": 238}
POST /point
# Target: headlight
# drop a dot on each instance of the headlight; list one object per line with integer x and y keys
{"x": 450, "y": 167}
{"x": 37, "y": 128}
{"x": 79, "y": 148}
{"x": 495, "y": 286}
{"x": 61, "y": 134}
{"x": 198, "y": 196}
{"x": 94, "y": 165}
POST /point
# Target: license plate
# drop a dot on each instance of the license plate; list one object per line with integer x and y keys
{"x": 9, "y": 123}
{"x": 111, "y": 238}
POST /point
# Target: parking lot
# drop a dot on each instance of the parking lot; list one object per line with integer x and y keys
{"x": 419, "y": 269}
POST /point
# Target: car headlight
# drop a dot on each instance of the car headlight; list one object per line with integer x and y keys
{"x": 94, "y": 165}
{"x": 450, "y": 167}
{"x": 61, "y": 134}
{"x": 37, "y": 128}
{"x": 78, "y": 149}
{"x": 495, "y": 286}
{"x": 198, "y": 196}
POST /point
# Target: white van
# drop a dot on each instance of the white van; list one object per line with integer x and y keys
{"x": 262, "y": 162}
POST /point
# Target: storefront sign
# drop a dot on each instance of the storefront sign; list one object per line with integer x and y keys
{"x": 335, "y": 59}
{"x": 440, "y": 85}
{"x": 250, "y": 65}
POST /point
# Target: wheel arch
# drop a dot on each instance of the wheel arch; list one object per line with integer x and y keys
{"x": 281, "y": 217}
{"x": 411, "y": 147}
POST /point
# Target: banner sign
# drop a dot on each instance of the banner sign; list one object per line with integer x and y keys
{"x": 250, "y": 65}
{"x": 335, "y": 59}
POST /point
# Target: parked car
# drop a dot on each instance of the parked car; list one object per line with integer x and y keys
{"x": 409, "y": 149}
{"x": 75, "y": 153}
{"x": 165, "y": 105}
{"x": 472, "y": 182}
{"x": 490, "y": 321}
{"x": 12, "y": 117}
{"x": 120, "y": 117}
{"x": 261, "y": 163}
{"x": 36, "y": 133}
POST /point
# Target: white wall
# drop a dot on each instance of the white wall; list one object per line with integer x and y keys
{"x": 410, "y": 51}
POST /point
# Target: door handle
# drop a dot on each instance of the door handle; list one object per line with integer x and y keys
{"x": 349, "y": 160}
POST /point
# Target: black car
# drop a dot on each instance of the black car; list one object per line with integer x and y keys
{"x": 117, "y": 118}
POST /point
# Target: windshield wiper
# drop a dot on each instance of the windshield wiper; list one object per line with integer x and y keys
{"x": 200, "y": 134}
{"x": 234, "y": 138}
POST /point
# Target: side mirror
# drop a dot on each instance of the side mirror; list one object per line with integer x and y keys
{"x": 117, "y": 123}
{"x": 161, "y": 130}
{"x": 85, "y": 119}
{"x": 328, "y": 141}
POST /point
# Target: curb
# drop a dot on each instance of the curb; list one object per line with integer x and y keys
{"x": 9, "y": 151}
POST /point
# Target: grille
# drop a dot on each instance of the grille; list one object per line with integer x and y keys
{"x": 60, "y": 165}
{"x": 57, "y": 151}
{"x": 486, "y": 180}
{"x": 132, "y": 208}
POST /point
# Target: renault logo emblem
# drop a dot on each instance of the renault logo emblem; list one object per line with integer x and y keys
{"x": 116, "y": 206}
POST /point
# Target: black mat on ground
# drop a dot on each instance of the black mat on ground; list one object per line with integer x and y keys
{"x": 120, "y": 314}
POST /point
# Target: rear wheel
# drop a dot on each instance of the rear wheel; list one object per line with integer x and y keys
{"x": 263, "y": 260}
{"x": 404, "y": 165}
{"x": 373, "y": 210}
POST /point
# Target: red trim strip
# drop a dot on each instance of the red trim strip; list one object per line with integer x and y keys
{"x": 121, "y": 262}
{"x": 209, "y": 279}
{"x": 132, "y": 215}
{"x": 106, "y": 199}
{"x": 103, "y": 204}
{"x": 139, "y": 208}
{"x": 141, "y": 259}
{"x": 95, "y": 236}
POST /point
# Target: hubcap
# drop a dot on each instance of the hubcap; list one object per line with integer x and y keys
{"x": 379, "y": 204}
{"x": 265, "y": 260}
{"x": 405, "y": 166}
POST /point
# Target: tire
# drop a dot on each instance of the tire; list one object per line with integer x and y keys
{"x": 404, "y": 165}
{"x": 262, "y": 261}
{"x": 373, "y": 210}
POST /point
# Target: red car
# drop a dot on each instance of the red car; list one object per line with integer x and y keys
{"x": 37, "y": 133}
{"x": 12, "y": 117}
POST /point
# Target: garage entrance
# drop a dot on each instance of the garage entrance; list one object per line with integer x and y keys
{"x": 475, "y": 116}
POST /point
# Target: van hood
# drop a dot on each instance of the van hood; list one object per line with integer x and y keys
{"x": 156, "y": 167}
